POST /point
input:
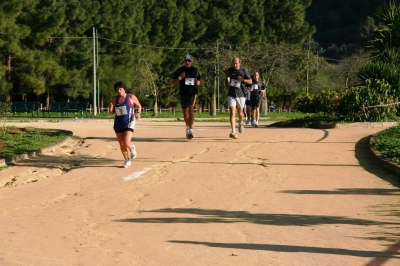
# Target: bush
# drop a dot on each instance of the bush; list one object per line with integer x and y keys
{"x": 4, "y": 108}
{"x": 354, "y": 103}
{"x": 325, "y": 102}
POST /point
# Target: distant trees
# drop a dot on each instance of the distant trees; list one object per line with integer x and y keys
{"x": 46, "y": 47}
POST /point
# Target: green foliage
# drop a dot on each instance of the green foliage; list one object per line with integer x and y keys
{"x": 387, "y": 143}
{"x": 353, "y": 103}
{"x": 387, "y": 37}
{"x": 4, "y": 108}
{"x": 324, "y": 102}
{"x": 305, "y": 103}
{"x": 46, "y": 46}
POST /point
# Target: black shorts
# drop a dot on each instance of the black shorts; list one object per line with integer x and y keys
{"x": 123, "y": 130}
{"x": 186, "y": 101}
{"x": 256, "y": 103}
{"x": 248, "y": 102}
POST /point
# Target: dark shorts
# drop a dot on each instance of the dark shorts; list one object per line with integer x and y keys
{"x": 256, "y": 103}
{"x": 248, "y": 102}
{"x": 186, "y": 101}
{"x": 123, "y": 130}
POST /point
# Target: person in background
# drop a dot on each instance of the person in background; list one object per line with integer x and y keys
{"x": 271, "y": 106}
{"x": 188, "y": 78}
{"x": 123, "y": 105}
{"x": 236, "y": 77}
{"x": 257, "y": 91}
{"x": 247, "y": 107}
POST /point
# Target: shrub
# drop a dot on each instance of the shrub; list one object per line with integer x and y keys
{"x": 357, "y": 104}
{"x": 4, "y": 108}
{"x": 325, "y": 102}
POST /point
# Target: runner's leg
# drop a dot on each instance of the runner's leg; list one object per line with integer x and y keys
{"x": 232, "y": 114}
{"x": 122, "y": 145}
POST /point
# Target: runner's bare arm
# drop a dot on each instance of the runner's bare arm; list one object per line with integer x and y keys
{"x": 227, "y": 82}
{"x": 136, "y": 102}
{"x": 112, "y": 105}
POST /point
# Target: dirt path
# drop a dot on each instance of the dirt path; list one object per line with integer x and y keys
{"x": 275, "y": 196}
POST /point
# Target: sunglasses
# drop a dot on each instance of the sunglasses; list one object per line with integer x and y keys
{"x": 188, "y": 61}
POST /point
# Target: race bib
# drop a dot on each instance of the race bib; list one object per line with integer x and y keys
{"x": 235, "y": 83}
{"x": 189, "y": 81}
{"x": 121, "y": 110}
{"x": 255, "y": 86}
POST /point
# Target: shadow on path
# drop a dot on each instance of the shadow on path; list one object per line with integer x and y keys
{"x": 364, "y": 157}
{"x": 292, "y": 248}
{"x": 221, "y": 216}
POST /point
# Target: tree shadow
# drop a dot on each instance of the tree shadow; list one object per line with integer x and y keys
{"x": 221, "y": 216}
{"x": 295, "y": 249}
{"x": 365, "y": 159}
{"x": 347, "y": 191}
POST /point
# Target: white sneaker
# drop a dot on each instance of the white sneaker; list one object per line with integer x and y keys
{"x": 241, "y": 127}
{"x": 189, "y": 134}
{"x": 255, "y": 123}
{"x": 127, "y": 163}
{"x": 133, "y": 152}
{"x": 233, "y": 135}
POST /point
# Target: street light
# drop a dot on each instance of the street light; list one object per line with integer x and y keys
{"x": 94, "y": 67}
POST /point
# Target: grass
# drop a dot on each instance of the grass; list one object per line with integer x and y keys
{"x": 14, "y": 141}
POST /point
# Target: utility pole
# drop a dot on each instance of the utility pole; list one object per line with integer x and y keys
{"x": 94, "y": 72}
{"x": 95, "y": 64}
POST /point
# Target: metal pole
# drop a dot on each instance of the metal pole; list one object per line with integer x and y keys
{"x": 94, "y": 72}
{"x": 217, "y": 75}
{"x": 97, "y": 65}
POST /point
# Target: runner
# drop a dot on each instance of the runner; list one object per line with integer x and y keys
{"x": 236, "y": 76}
{"x": 257, "y": 91}
{"x": 188, "y": 78}
{"x": 247, "y": 107}
{"x": 123, "y": 106}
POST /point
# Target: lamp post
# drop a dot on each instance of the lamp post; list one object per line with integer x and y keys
{"x": 95, "y": 53}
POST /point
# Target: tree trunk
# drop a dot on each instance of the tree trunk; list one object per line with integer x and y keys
{"x": 47, "y": 99}
{"x": 213, "y": 109}
{"x": 264, "y": 105}
{"x": 8, "y": 96}
{"x": 155, "y": 106}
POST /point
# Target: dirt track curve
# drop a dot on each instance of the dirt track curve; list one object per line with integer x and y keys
{"x": 274, "y": 196}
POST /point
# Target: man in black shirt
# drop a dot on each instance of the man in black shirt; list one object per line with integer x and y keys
{"x": 236, "y": 77}
{"x": 257, "y": 90}
{"x": 188, "y": 78}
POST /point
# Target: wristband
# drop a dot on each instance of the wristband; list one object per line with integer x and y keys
{"x": 180, "y": 78}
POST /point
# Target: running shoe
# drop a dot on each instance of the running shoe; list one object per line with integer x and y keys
{"x": 241, "y": 127}
{"x": 189, "y": 134}
{"x": 127, "y": 163}
{"x": 247, "y": 120}
{"x": 233, "y": 135}
{"x": 133, "y": 152}
{"x": 255, "y": 123}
